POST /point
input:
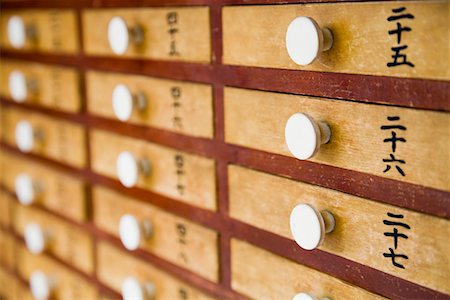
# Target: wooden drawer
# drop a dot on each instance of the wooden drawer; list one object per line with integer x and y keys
{"x": 11, "y": 288}
{"x": 65, "y": 240}
{"x": 46, "y": 85}
{"x": 172, "y": 105}
{"x": 55, "y": 30}
{"x": 7, "y": 253}
{"x": 260, "y": 274}
{"x": 60, "y": 140}
{"x": 358, "y": 141}
{"x": 175, "y": 239}
{"x": 361, "y": 45}
{"x": 362, "y": 231}
{"x": 69, "y": 285}
{"x": 57, "y": 191}
{"x": 114, "y": 266}
{"x": 168, "y": 33}
{"x": 176, "y": 174}
{"x": 6, "y": 204}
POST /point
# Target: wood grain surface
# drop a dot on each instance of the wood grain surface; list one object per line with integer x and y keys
{"x": 191, "y": 39}
{"x": 57, "y": 87}
{"x": 361, "y": 45}
{"x": 175, "y": 239}
{"x": 177, "y": 106}
{"x": 56, "y": 30}
{"x": 257, "y": 120}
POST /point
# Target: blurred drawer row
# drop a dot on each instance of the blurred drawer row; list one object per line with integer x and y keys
{"x": 403, "y": 144}
{"x": 177, "y": 106}
{"x": 398, "y": 40}
{"x": 251, "y": 269}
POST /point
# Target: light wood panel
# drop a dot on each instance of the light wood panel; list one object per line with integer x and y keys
{"x": 266, "y": 201}
{"x": 172, "y": 105}
{"x": 175, "y": 239}
{"x": 57, "y": 87}
{"x": 260, "y": 275}
{"x": 69, "y": 285}
{"x": 188, "y": 39}
{"x": 8, "y": 249}
{"x": 257, "y": 120}
{"x": 66, "y": 241}
{"x": 197, "y": 174}
{"x": 115, "y": 265}
{"x": 255, "y": 36}
{"x": 6, "y": 204}
{"x": 56, "y": 30}
{"x": 63, "y": 141}
{"x": 60, "y": 192}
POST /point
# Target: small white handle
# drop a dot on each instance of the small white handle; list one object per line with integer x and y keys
{"x": 303, "y": 135}
{"x": 305, "y": 40}
{"x": 118, "y": 36}
{"x": 309, "y": 226}
{"x": 35, "y": 238}
{"x": 128, "y": 168}
{"x": 123, "y": 102}
{"x": 132, "y": 289}
{"x": 25, "y": 189}
{"x": 17, "y": 86}
{"x": 25, "y": 136}
{"x": 132, "y": 232}
{"x": 16, "y": 32}
{"x": 41, "y": 285}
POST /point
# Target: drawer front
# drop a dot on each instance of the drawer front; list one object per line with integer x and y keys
{"x": 358, "y": 220}
{"x": 10, "y": 287}
{"x": 253, "y": 268}
{"x": 69, "y": 285}
{"x": 114, "y": 266}
{"x": 55, "y": 30}
{"x": 361, "y": 45}
{"x": 358, "y": 141}
{"x": 172, "y": 105}
{"x": 65, "y": 241}
{"x": 46, "y": 85}
{"x": 60, "y": 140}
{"x": 185, "y": 177}
{"x": 7, "y": 245}
{"x": 175, "y": 239}
{"x": 59, "y": 192}
{"x": 6, "y": 204}
{"x": 168, "y": 33}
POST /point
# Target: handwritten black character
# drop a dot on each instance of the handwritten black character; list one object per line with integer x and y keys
{"x": 394, "y": 160}
{"x": 172, "y": 18}
{"x": 399, "y": 17}
{"x": 393, "y": 256}
{"x": 395, "y": 234}
{"x": 183, "y": 294}
{"x": 393, "y": 140}
{"x": 399, "y": 58}
{"x": 175, "y": 92}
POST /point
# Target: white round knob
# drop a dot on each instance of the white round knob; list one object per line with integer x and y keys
{"x": 132, "y": 289}
{"x": 35, "y": 238}
{"x": 16, "y": 32}
{"x": 24, "y": 136}
{"x": 17, "y": 86}
{"x": 304, "y": 136}
{"x": 41, "y": 285}
{"x": 303, "y": 296}
{"x": 127, "y": 168}
{"x": 122, "y": 102}
{"x": 131, "y": 231}
{"x": 118, "y": 36}
{"x": 25, "y": 190}
{"x": 308, "y": 226}
{"x": 305, "y": 40}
